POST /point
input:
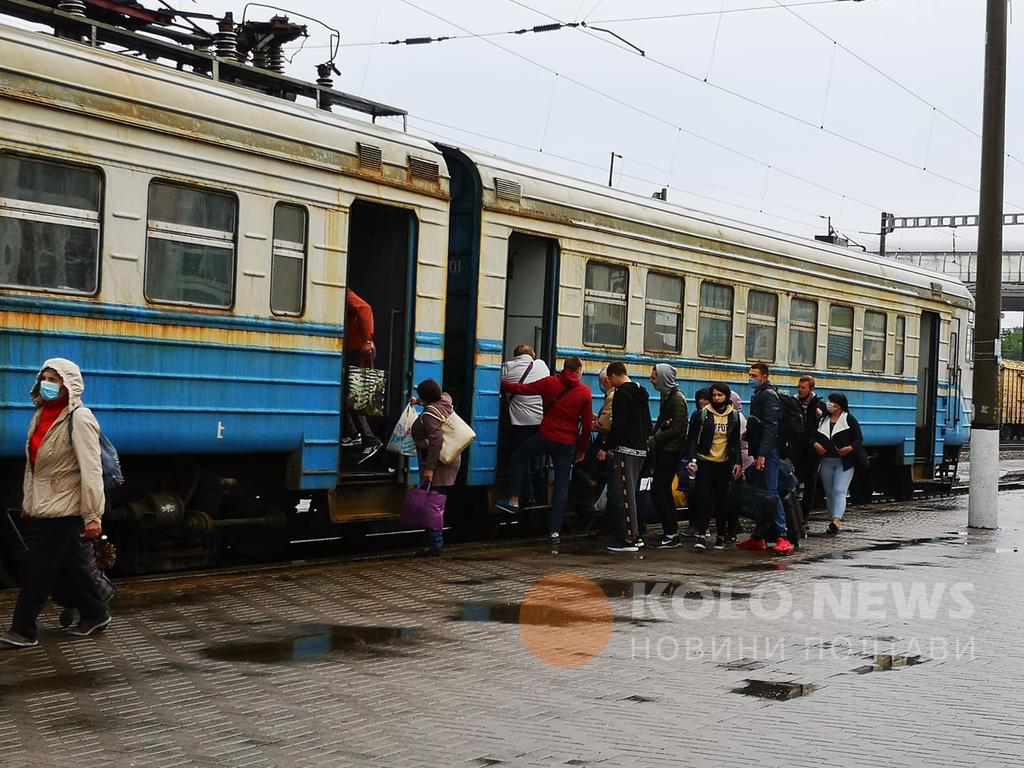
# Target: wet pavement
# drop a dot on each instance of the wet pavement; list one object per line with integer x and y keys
{"x": 897, "y": 643}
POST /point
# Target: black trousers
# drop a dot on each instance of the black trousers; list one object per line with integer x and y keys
{"x": 713, "y": 479}
{"x": 665, "y": 465}
{"x": 55, "y": 551}
{"x": 534, "y": 486}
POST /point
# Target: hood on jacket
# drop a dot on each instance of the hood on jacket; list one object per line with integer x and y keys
{"x": 737, "y": 402}
{"x": 569, "y": 377}
{"x": 445, "y": 406}
{"x": 664, "y": 378}
{"x": 728, "y": 409}
{"x": 70, "y": 373}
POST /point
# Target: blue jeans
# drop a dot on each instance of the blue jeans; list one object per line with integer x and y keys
{"x": 563, "y": 457}
{"x": 835, "y": 482}
{"x": 771, "y": 484}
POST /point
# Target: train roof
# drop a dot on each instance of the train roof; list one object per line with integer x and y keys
{"x": 72, "y": 76}
{"x": 542, "y": 185}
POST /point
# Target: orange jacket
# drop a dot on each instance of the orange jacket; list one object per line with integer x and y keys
{"x": 358, "y": 322}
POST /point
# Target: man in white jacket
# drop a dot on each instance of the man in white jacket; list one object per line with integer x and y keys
{"x": 525, "y": 415}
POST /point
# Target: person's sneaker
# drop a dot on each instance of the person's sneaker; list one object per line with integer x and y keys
{"x": 753, "y": 545}
{"x": 370, "y": 451}
{"x": 670, "y": 541}
{"x": 86, "y": 628}
{"x": 623, "y": 547}
{"x": 351, "y": 442}
{"x": 507, "y": 505}
{"x": 700, "y": 542}
{"x": 784, "y": 547}
{"x": 14, "y": 640}
{"x": 640, "y": 543}
{"x": 730, "y": 541}
{"x": 833, "y": 529}
{"x": 68, "y": 617}
{"x": 720, "y": 542}
{"x": 690, "y": 533}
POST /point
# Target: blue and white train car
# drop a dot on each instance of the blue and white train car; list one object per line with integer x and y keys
{"x": 580, "y": 269}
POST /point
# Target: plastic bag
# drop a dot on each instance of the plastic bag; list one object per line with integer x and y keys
{"x": 401, "y": 441}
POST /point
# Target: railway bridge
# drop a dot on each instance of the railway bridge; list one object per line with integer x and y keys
{"x": 963, "y": 265}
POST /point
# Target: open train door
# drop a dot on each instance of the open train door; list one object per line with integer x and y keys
{"x": 927, "y": 396}
{"x": 531, "y": 313}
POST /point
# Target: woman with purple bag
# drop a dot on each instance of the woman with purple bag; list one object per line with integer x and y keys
{"x": 437, "y": 478}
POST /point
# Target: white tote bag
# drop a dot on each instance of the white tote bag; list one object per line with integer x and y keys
{"x": 457, "y": 437}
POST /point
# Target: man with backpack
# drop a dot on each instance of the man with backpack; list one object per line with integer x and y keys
{"x": 564, "y": 433}
{"x": 800, "y": 449}
{"x": 764, "y": 434}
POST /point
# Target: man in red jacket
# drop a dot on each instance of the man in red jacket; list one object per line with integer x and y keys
{"x": 564, "y": 433}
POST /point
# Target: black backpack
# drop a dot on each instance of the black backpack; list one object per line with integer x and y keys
{"x": 791, "y": 419}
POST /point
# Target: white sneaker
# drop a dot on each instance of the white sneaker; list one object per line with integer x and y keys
{"x": 14, "y": 640}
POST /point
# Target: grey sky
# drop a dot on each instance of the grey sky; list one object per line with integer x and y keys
{"x": 934, "y": 47}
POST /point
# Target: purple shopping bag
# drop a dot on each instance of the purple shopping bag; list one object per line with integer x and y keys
{"x": 423, "y": 508}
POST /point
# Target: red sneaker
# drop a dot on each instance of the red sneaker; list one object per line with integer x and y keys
{"x": 754, "y": 545}
{"x": 784, "y": 547}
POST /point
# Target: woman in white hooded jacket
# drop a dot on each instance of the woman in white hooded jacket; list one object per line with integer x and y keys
{"x": 63, "y": 500}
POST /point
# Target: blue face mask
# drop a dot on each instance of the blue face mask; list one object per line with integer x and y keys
{"x": 49, "y": 390}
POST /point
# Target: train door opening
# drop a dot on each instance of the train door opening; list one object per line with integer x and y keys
{"x": 531, "y": 312}
{"x": 378, "y": 338}
{"x": 927, "y": 395}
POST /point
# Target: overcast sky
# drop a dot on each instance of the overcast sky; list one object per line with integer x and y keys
{"x": 934, "y": 48}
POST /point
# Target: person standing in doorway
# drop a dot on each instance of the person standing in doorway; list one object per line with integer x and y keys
{"x": 627, "y": 453}
{"x": 667, "y": 446}
{"x": 360, "y": 352}
{"x": 525, "y": 412}
{"x": 763, "y": 434}
{"x": 564, "y": 433}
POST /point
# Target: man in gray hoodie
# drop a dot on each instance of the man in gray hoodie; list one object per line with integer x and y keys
{"x": 666, "y": 446}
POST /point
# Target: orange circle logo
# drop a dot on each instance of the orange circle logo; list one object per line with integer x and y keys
{"x": 566, "y": 620}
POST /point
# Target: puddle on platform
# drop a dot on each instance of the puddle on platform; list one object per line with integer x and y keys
{"x": 778, "y": 691}
{"x": 537, "y": 615}
{"x": 638, "y": 699}
{"x": 877, "y": 566}
{"x": 59, "y": 683}
{"x": 744, "y": 665}
{"x": 885, "y": 662}
{"x": 313, "y": 642}
{"x": 478, "y": 582}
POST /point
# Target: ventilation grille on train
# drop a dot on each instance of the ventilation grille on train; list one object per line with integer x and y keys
{"x": 425, "y": 170}
{"x": 370, "y": 157}
{"x": 508, "y": 190}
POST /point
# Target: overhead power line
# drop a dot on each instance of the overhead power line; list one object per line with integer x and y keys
{"x": 773, "y": 109}
{"x": 885, "y": 75}
{"x": 652, "y": 115}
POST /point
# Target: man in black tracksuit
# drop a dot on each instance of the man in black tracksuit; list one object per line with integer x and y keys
{"x": 666, "y": 447}
{"x": 627, "y": 453}
{"x": 804, "y": 457}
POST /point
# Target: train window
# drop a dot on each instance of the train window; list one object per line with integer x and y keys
{"x": 663, "y": 320}
{"x": 49, "y": 225}
{"x": 840, "y": 336}
{"x": 803, "y": 332}
{"x": 901, "y": 344}
{"x": 714, "y": 328}
{"x": 190, "y": 248}
{"x": 874, "y": 341}
{"x": 288, "y": 267}
{"x": 762, "y": 319}
{"x": 604, "y": 305}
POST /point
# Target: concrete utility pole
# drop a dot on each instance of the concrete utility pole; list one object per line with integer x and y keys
{"x": 983, "y": 505}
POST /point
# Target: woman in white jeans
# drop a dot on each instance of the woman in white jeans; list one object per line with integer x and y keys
{"x": 839, "y": 443}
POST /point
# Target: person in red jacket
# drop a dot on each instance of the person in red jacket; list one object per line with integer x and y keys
{"x": 361, "y": 352}
{"x": 564, "y": 433}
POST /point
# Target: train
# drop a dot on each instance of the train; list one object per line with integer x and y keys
{"x": 188, "y": 234}
{"x": 1011, "y": 400}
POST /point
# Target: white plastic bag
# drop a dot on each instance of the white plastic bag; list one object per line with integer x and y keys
{"x": 401, "y": 441}
{"x": 602, "y": 501}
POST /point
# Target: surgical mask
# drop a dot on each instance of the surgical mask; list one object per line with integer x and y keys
{"x": 49, "y": 390}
